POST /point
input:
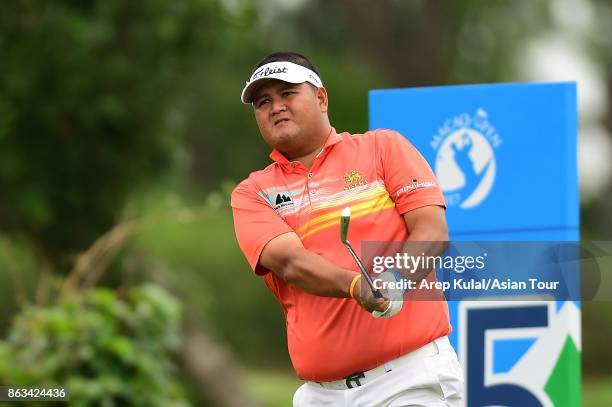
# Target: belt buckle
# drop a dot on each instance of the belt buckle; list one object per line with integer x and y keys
{"x": 354, "y": 378}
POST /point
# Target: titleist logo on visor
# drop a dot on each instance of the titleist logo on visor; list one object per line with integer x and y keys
{"x": 281, "y": 70}
{"x": 262, "y": 73}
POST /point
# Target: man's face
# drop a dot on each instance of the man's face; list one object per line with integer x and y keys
{"x": 291, "y": 116}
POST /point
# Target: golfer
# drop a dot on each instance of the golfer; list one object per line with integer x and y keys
{"x": 287, "y": 223}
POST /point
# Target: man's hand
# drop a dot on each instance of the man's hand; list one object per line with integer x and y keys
{"x": 363, "y": 295}
{"x": 393, "y": 300}
{"x": 395, "y": 293}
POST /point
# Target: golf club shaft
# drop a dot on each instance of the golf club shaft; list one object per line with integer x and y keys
{"x": 366, "y": 275}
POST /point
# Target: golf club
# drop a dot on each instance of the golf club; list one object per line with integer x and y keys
{"x": 345, "y": 218}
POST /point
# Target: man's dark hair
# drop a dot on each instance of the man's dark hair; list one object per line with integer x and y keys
{"x": 294, "y": 57}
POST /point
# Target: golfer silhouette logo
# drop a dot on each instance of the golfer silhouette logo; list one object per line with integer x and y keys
{"x": 465, "y": 165}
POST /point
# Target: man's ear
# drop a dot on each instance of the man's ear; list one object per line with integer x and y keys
{"x": 323, "y": 100}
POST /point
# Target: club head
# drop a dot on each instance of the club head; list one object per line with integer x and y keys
{"x": 345, "y": 218}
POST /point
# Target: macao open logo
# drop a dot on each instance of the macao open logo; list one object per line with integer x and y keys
{"x": 465, "y": 162}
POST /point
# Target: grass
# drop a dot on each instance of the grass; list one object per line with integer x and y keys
{"x": 597, "y": 392}
{"x": 273, "y": 388}
{"x": 276, "y": 388}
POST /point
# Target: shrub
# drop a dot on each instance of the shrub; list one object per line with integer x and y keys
{"x": 106, "y": 349}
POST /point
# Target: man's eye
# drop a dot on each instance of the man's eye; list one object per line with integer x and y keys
{"x": 288, "y": 92}
{"x": 261, "y": 102}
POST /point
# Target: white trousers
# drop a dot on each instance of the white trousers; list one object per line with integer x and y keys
{"x": 432, "y": 378}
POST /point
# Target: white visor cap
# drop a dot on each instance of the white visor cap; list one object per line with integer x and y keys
{"x": 283, "y": 71}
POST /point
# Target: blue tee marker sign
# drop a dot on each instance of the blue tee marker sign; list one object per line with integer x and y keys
{"x": 505, "y": 159}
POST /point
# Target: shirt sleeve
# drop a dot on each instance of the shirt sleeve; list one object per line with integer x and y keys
{"x": 255, "y": 223}
{"x": 407, "y": 175}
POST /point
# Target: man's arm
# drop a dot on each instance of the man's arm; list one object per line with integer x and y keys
{"x": 286, "y": 257}
{"x": 428, "y": 235}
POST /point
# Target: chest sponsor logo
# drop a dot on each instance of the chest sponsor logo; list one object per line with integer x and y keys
{"x": 282, "y": 200}
{"x": 353, "y": 179}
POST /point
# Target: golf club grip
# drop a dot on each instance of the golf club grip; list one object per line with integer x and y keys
{"x": 377, "y": 294}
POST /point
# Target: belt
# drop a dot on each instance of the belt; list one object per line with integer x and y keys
{"x": 360, "y": 378}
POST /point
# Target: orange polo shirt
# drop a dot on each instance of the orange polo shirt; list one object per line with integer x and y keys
{"x": 381, "y": 176}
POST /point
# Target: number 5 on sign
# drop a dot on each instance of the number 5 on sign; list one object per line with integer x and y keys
{"x": 499, "y": 343}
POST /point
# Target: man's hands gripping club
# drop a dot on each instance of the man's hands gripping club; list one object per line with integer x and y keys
{"x": 386, "y": 307}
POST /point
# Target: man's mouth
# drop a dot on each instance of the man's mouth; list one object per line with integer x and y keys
{"x": 279, "y": 121}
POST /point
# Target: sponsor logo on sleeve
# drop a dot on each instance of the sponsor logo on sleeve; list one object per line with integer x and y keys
{"x": 414, "y": 186}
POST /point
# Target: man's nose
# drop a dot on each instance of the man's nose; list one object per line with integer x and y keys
{"x": 278, "y": 105}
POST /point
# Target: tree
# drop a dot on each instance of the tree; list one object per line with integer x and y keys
{"x": 85, "y": 94}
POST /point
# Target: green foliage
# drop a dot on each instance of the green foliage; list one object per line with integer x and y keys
{"x": 105, "y": 349}
{"x": 85, "y": 92}
{"x": 20, "y": 271}
{"x": 196, "y": 244}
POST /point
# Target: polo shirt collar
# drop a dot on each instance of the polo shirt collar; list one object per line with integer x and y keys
{"x": 332, "y": 139}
